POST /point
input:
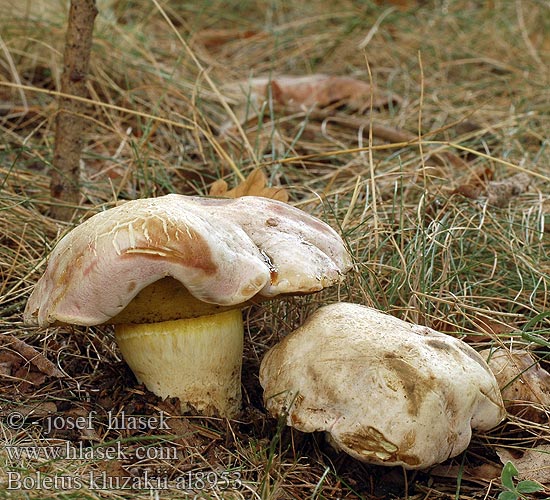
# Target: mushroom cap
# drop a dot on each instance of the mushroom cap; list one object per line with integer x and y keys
{"x": 386, "y": 391}
{"x": 223, "y": 251}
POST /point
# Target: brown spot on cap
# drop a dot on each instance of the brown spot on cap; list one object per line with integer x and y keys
{"x": 369, "y": 441}
{"x": 165, "y": 241}
{"x": 415, "y": 383}
{"x": 439, "y": 344}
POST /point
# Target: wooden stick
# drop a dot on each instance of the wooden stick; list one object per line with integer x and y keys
{"x": 70, "y": 126}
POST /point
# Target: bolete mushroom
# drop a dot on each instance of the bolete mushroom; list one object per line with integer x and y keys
{"x": 385, "y": 391}
{"x": 172, "y": 273}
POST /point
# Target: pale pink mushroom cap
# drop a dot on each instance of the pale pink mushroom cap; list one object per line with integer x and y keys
{"x": 224, "y": 251}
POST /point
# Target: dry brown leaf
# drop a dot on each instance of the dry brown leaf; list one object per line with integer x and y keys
{"x": 253, "y": 185}
{"x": 534, "y": 464}
{"x": 28, "y": 378}
{"x": 481, "y": 473}
{"x": 522, "y": 382}
{"x": 497, "y": 193}
{"x": 319, "y": 95}
{"x": 218, "y": 188}
{"x": 317, "y": 90}
{"x": 476, "y": 183}
{"x": 487, "y": 329}
{"x": 500, "y": 192}
{"x": 38, "y": 410}
{"x": 492, "y": 327}
{"x": 184, "y": 431}
{"x": 32, "y": 355}
{"x": 9, "y": 361}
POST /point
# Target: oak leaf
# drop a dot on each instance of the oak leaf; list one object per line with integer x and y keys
{"x": 254, "y": 185}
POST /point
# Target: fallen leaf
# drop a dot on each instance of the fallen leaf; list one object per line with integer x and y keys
{"x": 29, "y": 413}
{"x": 253, "y": 185}
{"x": 317, "y": 90}
{"x": 476, "y": 183}
{"x": 497, "y": 193}
{"x": 467, "y": 127}
{"x": 533, "y": 465}
{"x": 8, "y": 361}
{"x": 482, "y": 473}
{"x": 492, "y": 327}
{"x": 32, "y": 355}
{"x": 487, "y": 329}
{"x": 183, "y": 430}
{"x": 319, "y": 95}
{"x": 522, "y": 382}
{"x": 28, "y": 377}
{"x": 114, "y": 469}
{"x": 38, "y": 410}
{"x": 500, "y": 192}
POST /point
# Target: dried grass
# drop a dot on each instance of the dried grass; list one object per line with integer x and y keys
{"x": 474, "y": 83}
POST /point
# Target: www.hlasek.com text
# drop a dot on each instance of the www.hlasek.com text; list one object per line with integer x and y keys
{"x": 69, "y": 451}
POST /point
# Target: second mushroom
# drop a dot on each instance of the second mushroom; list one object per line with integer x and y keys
{"x": 385, "y": 391}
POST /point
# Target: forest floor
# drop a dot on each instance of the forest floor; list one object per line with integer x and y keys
{"x": 431, "y": 160}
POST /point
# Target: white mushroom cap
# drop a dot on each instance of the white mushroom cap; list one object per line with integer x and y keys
{"x": 386, "y": 391}
{"x": 223, "y": 252}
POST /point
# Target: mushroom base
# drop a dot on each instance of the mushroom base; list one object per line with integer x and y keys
{"x": 197, "y": 360}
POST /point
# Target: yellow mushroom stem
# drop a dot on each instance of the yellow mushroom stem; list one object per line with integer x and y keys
{"x": 179, "y": 346}
{"x": 197, "y": 360}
